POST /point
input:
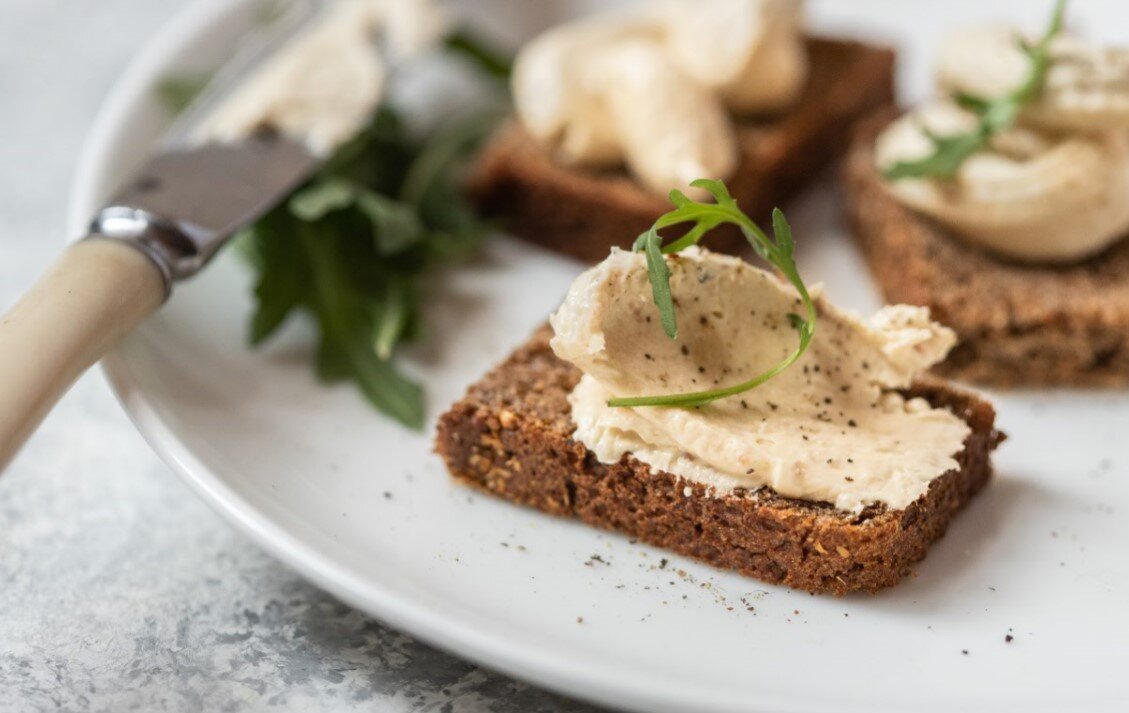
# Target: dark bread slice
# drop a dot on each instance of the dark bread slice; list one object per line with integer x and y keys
{"x": 1018, "y": 324}
{"x": 583, "y": 213}
{"x": 511, "y": 436}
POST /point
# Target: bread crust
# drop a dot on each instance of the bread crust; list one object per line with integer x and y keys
{"x": 583, "y": 213}
{"x": 1019, "y": 325}
{"x": 511, "y": 436}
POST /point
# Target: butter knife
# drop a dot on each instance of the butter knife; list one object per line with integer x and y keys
{"x": 162, "y": 227}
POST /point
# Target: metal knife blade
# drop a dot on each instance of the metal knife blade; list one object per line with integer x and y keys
{"x": 192, "y": 195}
{"x": 181, "y": 207}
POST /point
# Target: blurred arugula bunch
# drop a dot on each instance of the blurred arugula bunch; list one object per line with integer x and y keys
{"x": 351, "y": 246}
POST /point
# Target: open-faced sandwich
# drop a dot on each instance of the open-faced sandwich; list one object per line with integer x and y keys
{"x": 1004, "y": 206}
{"x": 616, "y": 109}
{"x": 690, "y": 400}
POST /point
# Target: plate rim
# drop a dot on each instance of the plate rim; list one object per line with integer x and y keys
{"x": 538, "y": 666}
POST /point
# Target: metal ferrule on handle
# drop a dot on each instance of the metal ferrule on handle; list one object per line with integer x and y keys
{"x": 178, "y": 249}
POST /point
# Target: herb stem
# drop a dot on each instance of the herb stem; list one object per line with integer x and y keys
{"x": 993, "y": 114}
{"x": 706, "y": 216}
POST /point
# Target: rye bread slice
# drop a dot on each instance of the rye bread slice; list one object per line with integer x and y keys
{"x": 511, "y": 436}
{"x": 1019, "y": 325}
{"x": 583, "y": 213}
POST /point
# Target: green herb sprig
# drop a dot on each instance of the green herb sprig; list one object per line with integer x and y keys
{"x": 778, "y": 251}
{"x": 994, "y": 114}
{"x": 486, "y": 58}
{"x": 352, "y": 246}
{"x": 177, "y": 93}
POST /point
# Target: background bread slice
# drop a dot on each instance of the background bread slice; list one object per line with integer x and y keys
{"x": 1018, "y": 324}
{"x": 511, "y": 436}
{"x": 583, "y": 213}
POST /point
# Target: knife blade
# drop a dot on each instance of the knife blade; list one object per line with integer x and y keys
{"x": 184, "y": 205}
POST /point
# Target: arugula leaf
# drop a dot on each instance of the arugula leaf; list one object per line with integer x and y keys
{"x": 330, "y": 364}
{"x": 395, "y": 225}
{"x": 949, "y": 152}
{"x": 392, "y": 319}
{"x": 994, "y": 114}
{"x": 705, "y": 216}
{"x": 176, "y": 93}
{"x": 351, "y": 247}
{"x": 345, "y": 324}
{"x": 278, "y": 291}
{"x": 318, "y": 199}
{"x": 485, "y": 58}
{"x": 660, "y": 283}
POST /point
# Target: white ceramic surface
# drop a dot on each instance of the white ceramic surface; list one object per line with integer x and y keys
{"x": 363, "y": 508}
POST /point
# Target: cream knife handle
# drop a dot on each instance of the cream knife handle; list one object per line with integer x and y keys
{"x": 96, "y": 293}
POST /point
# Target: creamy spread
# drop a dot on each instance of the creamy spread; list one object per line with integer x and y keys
{"x": 1036, "y": 195}
{"x": 323, "y": 86}
{"x": 833, "y": 427}
{"x": 1055, "y": 188}
{"x": 635, "y": 87}
{"x": 1086, "y": 87}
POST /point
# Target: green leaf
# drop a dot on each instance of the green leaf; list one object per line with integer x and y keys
{"x": 352, "y": 248}
{"x": 973, "y": 103}
{"x": 717, "y": 189}
{"x": 377, "y": 157}
{"x": 395, "y": 225}
{"x": 782, "y": 232}
{"x": 331, "y": 364}
{"x": 345, "y": 331}
{"x": 678, "y": 198}
{"x": 282, "y": 280}
{"x": 949, "y": 153}
{"x": 277, "y": 300}
{"x": 391, "y": 321}
{"x": 390, "y": 391}
{"x": 440, "y": 157}
{"x": 491, "y": 61}
{"x": 993, "y": 114}
{"x": 321, "y": 198}
{"x": 178, "y": 92}
{"x": 660, "y": 284}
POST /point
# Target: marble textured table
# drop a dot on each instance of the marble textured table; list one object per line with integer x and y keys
{"x": 119, "y": 590}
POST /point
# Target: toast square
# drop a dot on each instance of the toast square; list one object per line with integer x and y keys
{"x": 1019, "y": 325}
{"x": 511, "y": 436}
{"x": 583, "y": 212}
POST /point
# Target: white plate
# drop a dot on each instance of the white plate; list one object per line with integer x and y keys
{"x": 364, "y": 509}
